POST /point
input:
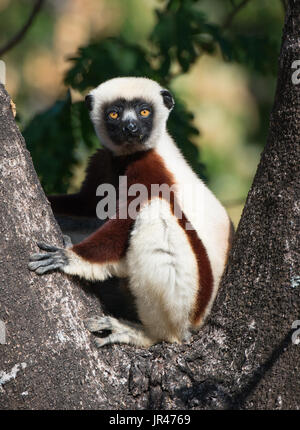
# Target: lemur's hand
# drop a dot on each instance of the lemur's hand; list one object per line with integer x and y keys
{"x": 55, "y": 259}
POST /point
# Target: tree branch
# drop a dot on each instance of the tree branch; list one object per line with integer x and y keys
{"x": 234, "y": 12}
{"x": 20, "y": 35}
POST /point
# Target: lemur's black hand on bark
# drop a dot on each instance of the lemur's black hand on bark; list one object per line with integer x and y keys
{"x": 54, "y": 259}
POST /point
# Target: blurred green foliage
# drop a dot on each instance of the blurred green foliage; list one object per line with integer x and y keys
{"x": 51, "y": 138}
{"x": 39, "y": 35}
{"x": 182, "y": 32}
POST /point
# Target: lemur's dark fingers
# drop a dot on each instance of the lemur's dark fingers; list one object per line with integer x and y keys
{"x": 67, "y": 241}
{"x": 40, "y": 263}
{"x": 45, "y": 247}
{"x": 55, "y": 266}
{"x": 55, "y": 258}
{"x": 44, "y": 266}
{"x": 38, "y": 256}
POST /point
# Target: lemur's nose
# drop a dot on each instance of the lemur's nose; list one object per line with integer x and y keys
{"x": 131, "y": 126}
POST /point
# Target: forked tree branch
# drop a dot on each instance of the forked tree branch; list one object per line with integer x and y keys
{"x": 20, "y": 35}
{"x": 233, "y": 13}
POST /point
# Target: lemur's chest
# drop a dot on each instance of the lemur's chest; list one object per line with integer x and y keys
{"x": 149, "y": 175}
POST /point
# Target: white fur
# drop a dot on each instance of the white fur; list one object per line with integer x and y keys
{"x": 94, "y": 271}
{"x": 129, "y": 114}
{"x": 163, "y": 272}
{"x": 201, "y": 207}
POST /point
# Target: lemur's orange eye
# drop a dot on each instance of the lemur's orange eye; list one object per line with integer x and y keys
{"x": 145, "y": 112}
{"x": 113, "y": 115}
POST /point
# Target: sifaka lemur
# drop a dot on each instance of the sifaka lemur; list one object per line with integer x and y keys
{"x": 174, "y": 248}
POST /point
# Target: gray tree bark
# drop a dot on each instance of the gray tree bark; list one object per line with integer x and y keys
{"x": 244, "y": 357}
{"x": 260, "y": 295}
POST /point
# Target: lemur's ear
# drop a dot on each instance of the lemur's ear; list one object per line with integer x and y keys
{"x": 168, "y": 99}
{"x": 89, "y": 102}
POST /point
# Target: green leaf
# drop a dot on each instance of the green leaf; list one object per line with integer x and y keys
{"x": 109, "y": 58}
{"x": 51, "y": 143}
{"x": 183, "y": 131}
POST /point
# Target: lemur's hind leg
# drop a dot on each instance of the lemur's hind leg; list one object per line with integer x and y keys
{"x": 162, "y": 273}
{"x": 121, "y": 331}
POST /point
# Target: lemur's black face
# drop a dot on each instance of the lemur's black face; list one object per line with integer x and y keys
{"x": 128, "y": 121}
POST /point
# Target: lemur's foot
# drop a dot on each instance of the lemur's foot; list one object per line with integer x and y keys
{"x": 54, "y": 259}
{"x": 121, "y": 331}
{"x": 112, "y": 338}
{"x": 96, "y": 323}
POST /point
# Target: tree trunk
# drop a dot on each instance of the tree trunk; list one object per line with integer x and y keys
{"x": 243, "y": 357}
{"x": 260, "y": 295}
